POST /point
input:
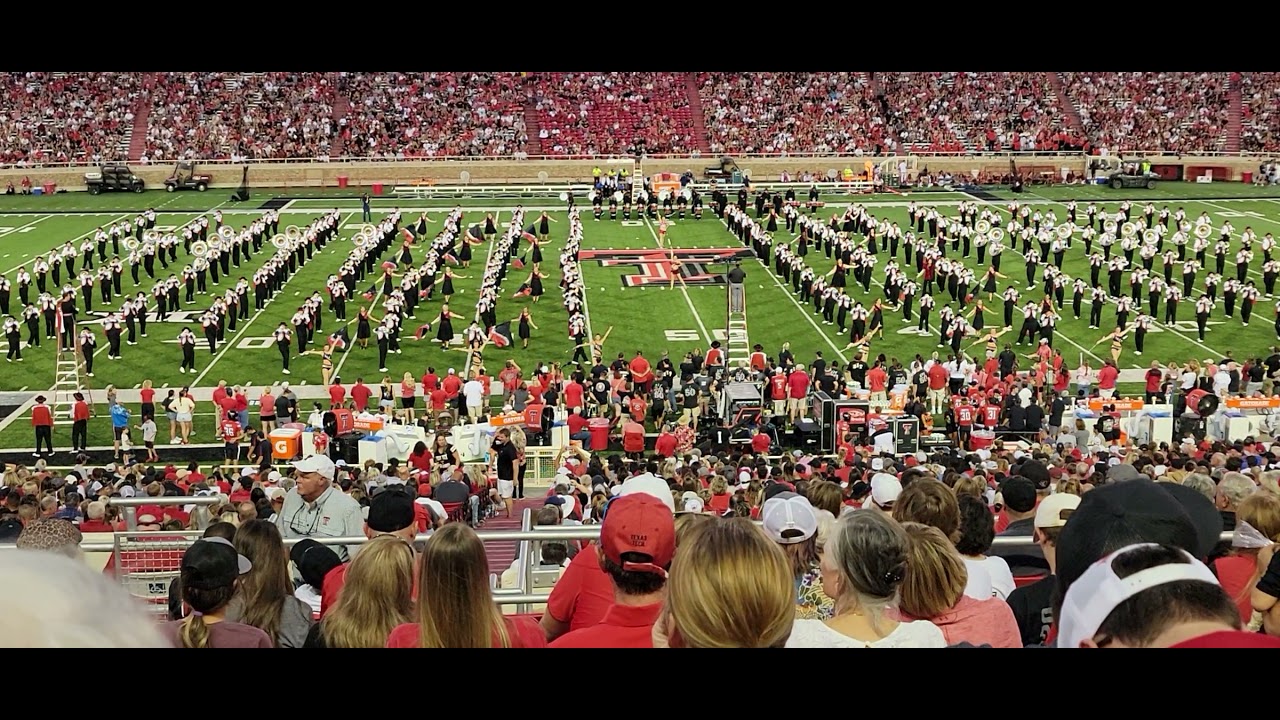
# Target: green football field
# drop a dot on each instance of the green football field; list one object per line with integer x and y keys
{"x": 629, "y": 288}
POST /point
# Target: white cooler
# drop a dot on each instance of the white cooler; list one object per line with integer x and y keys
{"x": 373, "y": 447}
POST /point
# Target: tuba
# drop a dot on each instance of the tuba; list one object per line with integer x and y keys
{"x": 1110, "y": 226}
{"x": 1185, "y": 226}
{"x": 1128, "y": 230}
{"x": 227, "y": 234}
{"x": 280, "y": 242}
{"x": 996, "y": 235}
{"x": 199, "y": 249}
{"x": 131, "y": 243}
{"x": 1204, "y": 231}
{"x": 1064, "y": 231}
{"x": 982, "y": 227}
{"x": 293, "y": 233}
{"x": 1150, "y": 236}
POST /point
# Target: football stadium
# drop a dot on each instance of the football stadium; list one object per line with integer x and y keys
{"x": 917, "y": 359}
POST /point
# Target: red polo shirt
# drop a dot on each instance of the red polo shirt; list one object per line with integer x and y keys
{"x": 360, "y": 393}
{"x": 583, "y": 594}
{"x": 622, "y": 627}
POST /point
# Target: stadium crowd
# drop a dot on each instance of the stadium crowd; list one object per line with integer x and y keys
{"x": 239, "y": 116}
{"x": 612, "y": 113}
{"x": 789, "y": 112}
{"x": 73, "y": 117}
{"x": 1260, "y": 111}
{"x": 66, "y": 117}
{"x": 399, "y": 115}
{"x": 1174, "y": 111}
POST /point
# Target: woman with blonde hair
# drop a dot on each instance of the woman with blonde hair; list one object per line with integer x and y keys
{"x": 265, "y": 599}
{"x": 826, "y": 495}
{"x": 210, "y": 573}
{"x": 933, "y": 589}
{"x": 455, "y": 607}
{"x": 408, "y": 399}
{"x": 863, "y": 564}
{"x": 726, "y": 564}
{"x": 1257, "y": 528}
{"x": 720, "y": 497}
{"x": 376, "y": 597}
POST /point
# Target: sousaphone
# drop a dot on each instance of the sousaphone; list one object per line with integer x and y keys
{"x": 1064, "y": 231}
{"x": 996, "y": 235}
{"x": 1128, "y": 230}
{"x": 199, "y": 249}
{"x": 1150, "y": 236}
{"x": 1110, "y": 226}
{"x": 1204, "y": 231}
{"x": 280, "y": 242}
{"x": 982, "y": 227}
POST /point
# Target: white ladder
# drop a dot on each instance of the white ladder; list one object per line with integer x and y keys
{"x": 637, "y": 180}
{"x": 737, "y": 346}
{"x": 66, "y": 385}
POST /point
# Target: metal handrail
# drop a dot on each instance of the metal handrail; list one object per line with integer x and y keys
{"x": 559, "y": 532}
{"x": 611, "y": 159}
{"x": 130, "y": 505}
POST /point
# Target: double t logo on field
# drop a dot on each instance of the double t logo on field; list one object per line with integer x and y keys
{"x": 695, "y": 266}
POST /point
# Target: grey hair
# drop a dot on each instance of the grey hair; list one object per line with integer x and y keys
{"x": 1270, "y": 480}
{"x": 1202, "y": 484}
{"x": 56, "y": 602}
{"x": 869, "y": 550}
{"x": 1236, "y": 487}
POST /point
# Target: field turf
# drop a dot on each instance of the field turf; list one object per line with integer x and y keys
{"x": 646, "y": 311}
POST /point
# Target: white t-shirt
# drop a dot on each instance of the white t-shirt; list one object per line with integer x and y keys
{"x": 998, "y": 576}
{"x": 816, "y": 634}
{"x": 474, "y": 392}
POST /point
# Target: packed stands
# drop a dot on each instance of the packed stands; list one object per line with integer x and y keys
{"x": 920, "y": 113}
{"x": 240, "y": 115}
{"x": 1175, "y": 111}
{"x": 1260, "y": 93}
{"x": 396, "y": 115}
{"x": 66, "y": 117}
{"x": 609, "y": 113}
{"x": 1006, "y": 111}
{"x": 791, "y": 112}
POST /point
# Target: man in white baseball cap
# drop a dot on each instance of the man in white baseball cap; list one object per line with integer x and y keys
{"x": 1150, "y": 595}
{"x": 885, "y": 490}
{"x": 314, "y": 508}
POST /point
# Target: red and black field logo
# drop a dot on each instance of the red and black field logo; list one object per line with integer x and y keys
{"x": 695, "y": 266}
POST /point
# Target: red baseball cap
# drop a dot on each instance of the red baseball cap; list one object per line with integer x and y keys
{"x": 639, "y": 523}
{"x": 1230, "y": 639}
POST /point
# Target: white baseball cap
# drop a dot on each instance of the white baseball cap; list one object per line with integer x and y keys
{"x": 649, "y": 485}
{"x": 316, "y": 464}
{"x": 1049, "y": 512}
{"x": 1099, "y": 591}
{"x": 789, "y": 513}
{"x": 885, "y": 489}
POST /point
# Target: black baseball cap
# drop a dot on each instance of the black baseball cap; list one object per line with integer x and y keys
{"x": 1204, "y": 516}
{"x": 391, "y": 511}
{"x": 314, "y": 561}
{"x": 1114, "y": 516}
{"x": 1036, "y": 472}
{"x": 1019, "y": 494}
{"x": 213, "y": 563}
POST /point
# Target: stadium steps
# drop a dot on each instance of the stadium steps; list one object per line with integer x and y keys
{"x": 1235, "y": 120}
{"x": 532, "y": 126}
{"x": 501, "y": 553}
{"x": 141, "y": 118}
{"x": 703, "y": 143}
{"x": 341, "y": 108}
{"x": 1069, "y": 110}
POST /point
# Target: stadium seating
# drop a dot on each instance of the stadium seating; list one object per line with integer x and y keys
{"x": 240, "y": 115}
{"x": 66, "y": 117}
{"x": 1176, "y": 111}
{"x": 607, "y": 113}
{"x": 396, "y": 115}
{"x": 790, "y": 112}
{"x": 1260, "y": 93}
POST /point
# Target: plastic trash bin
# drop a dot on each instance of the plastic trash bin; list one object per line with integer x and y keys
{"x": 377, "y": 188}
{"x": 50, "y": 188}
{"x": 343, "y": 180}
{"x": 1246, "y": 177}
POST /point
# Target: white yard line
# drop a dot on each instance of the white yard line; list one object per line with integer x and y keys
{"x": 683, "y": 289}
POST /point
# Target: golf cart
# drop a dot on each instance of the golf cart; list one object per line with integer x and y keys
{"x": 184, "y": 177}
{"x": 1129, "y": 174}
{"x": 113, "y": 178}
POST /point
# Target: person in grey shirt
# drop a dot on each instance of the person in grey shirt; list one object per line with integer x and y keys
{"x": 314, "y": 508}
{"x": 737, "y": 294}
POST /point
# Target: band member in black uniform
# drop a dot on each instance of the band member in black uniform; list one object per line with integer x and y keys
{"x": 187, "y": 341}
{"x": 111, "y": 325}
{"x": 281, "y": 336}
{"x": 31, "y": 315}
{"x": 13, "y": 333}
{"x": 87, "y": 344}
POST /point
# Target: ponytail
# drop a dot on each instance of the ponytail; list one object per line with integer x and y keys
{"x": 194, "y": 632}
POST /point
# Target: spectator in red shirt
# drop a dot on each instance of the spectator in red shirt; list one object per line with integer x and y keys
{"x": 938, "y": 380}
{"x": 360, "y": 394}
{"x": 637, "y": 545}
{"x": 430, "y": 381}
{"x": 42, "y": 421}
{"x": 1107, "y": 379}
{"x": 79, "y": 424}
{"x": 778, "y": 392}
{"x": 636, "y": 407}
{"x": 760, "y": 442}
{"x": 665, "y": 445}
{"x": 1154, "y": 377}
{"x": 641, "y": 373}
{"x": 452, "y": 384}
{"x": 577, "y": 426}
{"x": 877, "y": 380}
{"x": 798, "y": 386}
{"x": 573, "y": 392}
{"x": 337, "y": 393}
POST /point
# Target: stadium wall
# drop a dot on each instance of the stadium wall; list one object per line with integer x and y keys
{"x": 491, "y": 172}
